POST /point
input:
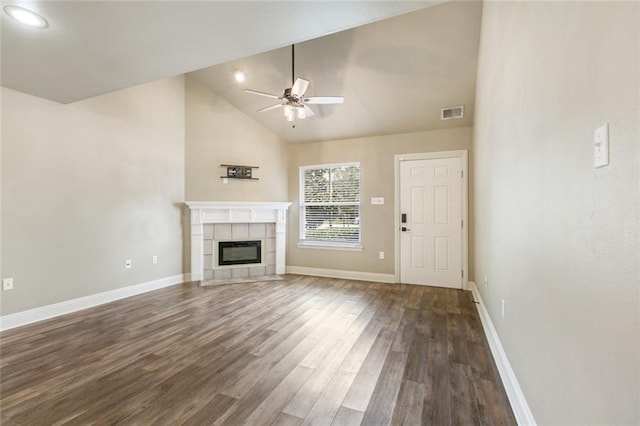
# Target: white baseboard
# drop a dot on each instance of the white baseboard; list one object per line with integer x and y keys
{"x": 337, "y": 273}
{"x": 521, "y": 409}
{"x": 49, "y": 311}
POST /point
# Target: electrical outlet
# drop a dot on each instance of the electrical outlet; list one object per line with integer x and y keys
{"x": 486, "y": 282}
{"x": 127, "y": 264}
{"x": 7, "y": 284}
{"x": 381, "y": 255}
{"x": 503, "y": 302}
{"x": 154, "y": 260}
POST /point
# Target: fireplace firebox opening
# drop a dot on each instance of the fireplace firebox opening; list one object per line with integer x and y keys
{"x": 239, "y": 252}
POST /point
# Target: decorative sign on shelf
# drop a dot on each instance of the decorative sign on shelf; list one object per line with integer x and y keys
{"x": 235, "y": 171}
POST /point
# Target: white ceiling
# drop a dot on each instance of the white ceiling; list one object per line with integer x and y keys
{"x": 95, "y": 47}
{"x": 397, "y": 63}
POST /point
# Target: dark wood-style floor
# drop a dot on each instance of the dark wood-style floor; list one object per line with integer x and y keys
{"x": 304, "y": 350}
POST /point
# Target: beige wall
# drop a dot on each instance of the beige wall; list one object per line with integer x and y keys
{"x": 86, "y": 186}
{"x": 376, "y": 156}
{"x": 1, "y": 221}
{"x": 558, "y": 239}
{"x": 218, "y": 133}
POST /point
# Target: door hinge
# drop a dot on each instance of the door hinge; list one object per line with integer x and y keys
{"x": 462, "y": 273}
{"x": 462, "y": 224}
{"x": 462, "y": 173}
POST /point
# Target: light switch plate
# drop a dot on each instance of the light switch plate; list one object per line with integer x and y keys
{"x": 378, "y": 201}
{"x": 601, "y": 146}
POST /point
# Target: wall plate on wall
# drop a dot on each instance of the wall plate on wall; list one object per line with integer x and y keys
{"x": 601, "y": 146}
{"x": 7, "y": 284}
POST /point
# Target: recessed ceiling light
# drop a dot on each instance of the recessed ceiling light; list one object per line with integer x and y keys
{"x": 240, "y": 76}
{"x": 26, "y": 16}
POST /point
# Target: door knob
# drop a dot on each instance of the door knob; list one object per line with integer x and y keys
{"x": 405, "y": 229}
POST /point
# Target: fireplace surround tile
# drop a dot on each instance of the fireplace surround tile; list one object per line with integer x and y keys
{"x": 207, "y": 262}
{"x": 271, "y": 259}
{"x": 257, "y": 271}
{"x": 207, "y": 247}
{"x": 207, "y": 231}
{"x": 271, "y": 230}
{"x": 270, "y": 245}
{"x": 240, "y": 272}
{"x": 222, "y": 274}
{"x": 239, "y": 231}
{"x": 222, "y": 231}
{"x": 257, "y": 230}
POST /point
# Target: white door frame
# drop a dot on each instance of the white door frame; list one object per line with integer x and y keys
{"x": 463, "y": 155}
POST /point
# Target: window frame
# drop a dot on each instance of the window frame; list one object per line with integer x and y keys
{"x": 333, "y": 245}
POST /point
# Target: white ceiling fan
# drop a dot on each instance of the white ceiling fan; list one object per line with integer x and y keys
{"x": 294, "y": 103}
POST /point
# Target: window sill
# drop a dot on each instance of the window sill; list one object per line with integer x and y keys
{"x": 329, "y": 247}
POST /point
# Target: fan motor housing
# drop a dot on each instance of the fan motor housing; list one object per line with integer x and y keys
{"x": 288, "y": 96}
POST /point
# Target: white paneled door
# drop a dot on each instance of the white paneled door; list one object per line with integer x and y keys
{"x": 431, "y": 204}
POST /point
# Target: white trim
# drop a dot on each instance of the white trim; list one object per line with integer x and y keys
{"x": 329, "y": 247}
{"x": 518, "y": 402}
{"x": 238, "y": 205}
{"x": 464, "y": 156}
{"x": 345, "y": 275}
{"x": 329, "y": 165}
{"x": 68, "y": 306}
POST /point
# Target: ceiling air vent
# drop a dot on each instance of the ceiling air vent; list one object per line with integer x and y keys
{"x": 452, "y": 112}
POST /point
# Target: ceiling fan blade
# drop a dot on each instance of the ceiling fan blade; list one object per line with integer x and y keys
{"x": 299, "y": 87}
{"x": 268, "y": 95}
{"x": 308, "y": 111}
{"x": 324, "y": 100}
{"x": 269, "y": 108}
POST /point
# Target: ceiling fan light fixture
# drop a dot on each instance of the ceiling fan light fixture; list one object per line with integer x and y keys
{"x": 291, "y": 116}
{"x": 302, "y": 114}
{"x": 26, "y": 16}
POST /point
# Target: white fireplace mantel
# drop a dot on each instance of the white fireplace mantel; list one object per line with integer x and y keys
{"x": 203, "y": 212}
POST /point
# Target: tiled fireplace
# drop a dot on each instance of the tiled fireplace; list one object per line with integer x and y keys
{"x": 252, "y": 236}
{"x": 217, "y": 235}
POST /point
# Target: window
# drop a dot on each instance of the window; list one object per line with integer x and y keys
{"x": 330, "y": 205}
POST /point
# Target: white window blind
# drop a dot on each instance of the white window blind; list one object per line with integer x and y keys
{"x": 330, "y": 204}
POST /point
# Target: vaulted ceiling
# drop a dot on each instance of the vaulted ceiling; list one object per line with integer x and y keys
{"x": 395, "y": 75}
{"x": 395, "y": 62}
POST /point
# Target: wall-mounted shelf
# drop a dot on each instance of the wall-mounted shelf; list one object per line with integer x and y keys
{"x": 235, "y": 171}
